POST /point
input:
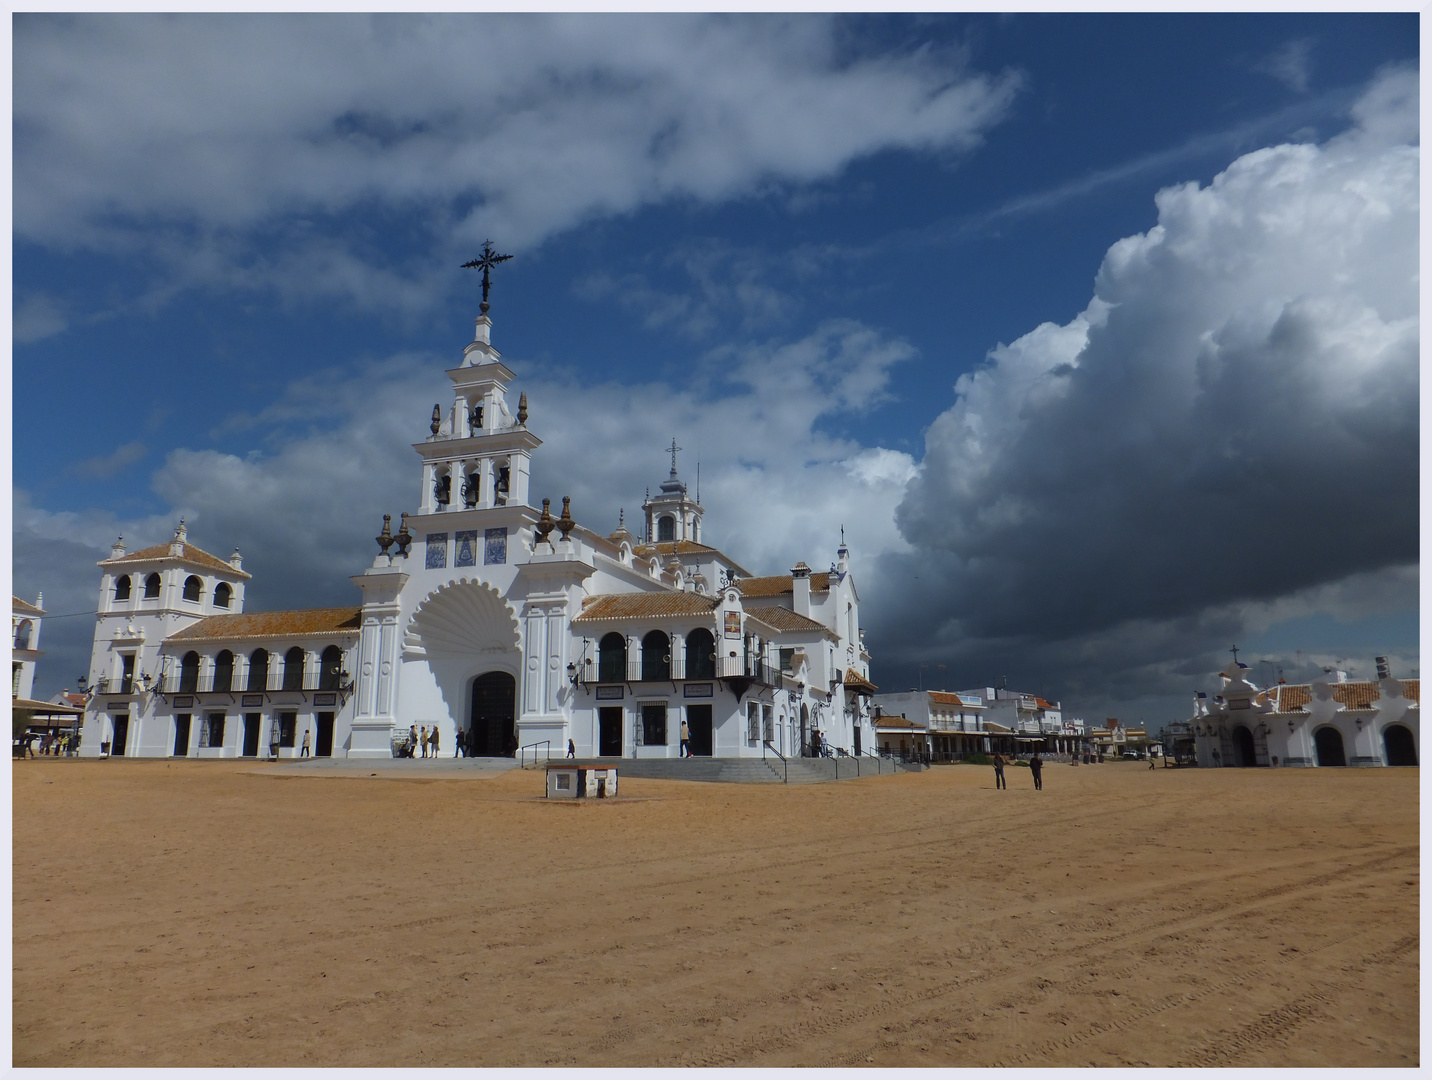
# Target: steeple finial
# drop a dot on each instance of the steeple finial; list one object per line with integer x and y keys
{"x": 437, "y": 418}
{"x": 673, "y": 448}
{"x": 485, "y": 262}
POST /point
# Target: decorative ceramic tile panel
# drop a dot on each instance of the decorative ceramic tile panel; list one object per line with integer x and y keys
{"x": 495, "y": 548}
{"x": 437, "y": 550}
{"x": 466, "y": 552}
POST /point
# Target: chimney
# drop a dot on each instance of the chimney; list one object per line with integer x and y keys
{"x": 800, "y": 589}
{"x": 1383, "y": 671}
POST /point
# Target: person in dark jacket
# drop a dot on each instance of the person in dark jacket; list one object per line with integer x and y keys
{"x": 1036, "y": 769}
{"x": 999, "y": 772}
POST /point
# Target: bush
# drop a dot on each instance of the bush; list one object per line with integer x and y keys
{"x": 978, "y": 759}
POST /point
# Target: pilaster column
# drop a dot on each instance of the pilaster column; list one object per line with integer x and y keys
{"x": 375, "y": 697}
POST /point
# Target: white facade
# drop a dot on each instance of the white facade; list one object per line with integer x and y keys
{"x": 485, "y": 616}
{"x": 1329, "y": 722}
{"x": 24, "y": 645}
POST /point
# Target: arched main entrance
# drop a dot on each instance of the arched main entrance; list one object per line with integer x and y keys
{"x": 1398, "y": 745}
{"x": 1244, "y": 756}
{"x": 1329, "y": 745}
{"x": 493, "y": 730}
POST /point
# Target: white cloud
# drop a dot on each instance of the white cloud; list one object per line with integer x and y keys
{"x": 1230, "y": 423}
{"x": 37, "y": 317}
{"x": 195, "y": 135}
{"x": 1291, "y": 64}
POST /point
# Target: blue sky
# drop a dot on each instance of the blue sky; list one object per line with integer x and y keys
{"x": 1042, "y": 308}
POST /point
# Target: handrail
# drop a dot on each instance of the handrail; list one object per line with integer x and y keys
{"x": 785, "y": 766}
{"x": 522, "y": 752}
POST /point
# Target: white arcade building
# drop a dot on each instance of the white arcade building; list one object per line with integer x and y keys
{"x": 484, "y": 615}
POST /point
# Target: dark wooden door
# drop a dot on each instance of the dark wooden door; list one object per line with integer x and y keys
{"x": 698, "y": 719}
{"x": 324, "y": 745}
{"x": 609, "y": 731}
{"x": 251, "y": 734}
{"x": 494, "y": 716}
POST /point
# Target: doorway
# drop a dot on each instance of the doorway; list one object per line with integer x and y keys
{"x": 121, "y": 735}
{"x": 609, "y": 731}
{"x": 494, "y": 716}
{"x": 1244, "y": 755}
{"x": 323, "y": 747}
{"x": 251, "y": 734}
{"x": 698, "y": 719}
{"x": 181, "y": 735}
{"x": 1329, "y": 744}
{"x": 1398, "y": 745}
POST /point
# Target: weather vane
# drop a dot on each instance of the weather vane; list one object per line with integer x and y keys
{"x": 488, "y": 260}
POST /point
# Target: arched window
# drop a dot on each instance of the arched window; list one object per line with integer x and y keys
{"x": 611, "y": 659}
{"x": 22, "y": 634}
{"x": 655, "y": 657}
{"x": 224, "y": 671}
{"x": 258, "y": 670}
{"x": 121, "y": 588}
{"x": 695, "y": 530}
{"x": 193, "y": 588}
{"x": 223, "y": 594}
{"x": 665, "y": 529}
{"x": 700, "y": 655}
{"x": 330, "y": 666}
{"x": 151, "y": 587}
{"x": 189, "y": 673}
{"x": 293, "y": 669}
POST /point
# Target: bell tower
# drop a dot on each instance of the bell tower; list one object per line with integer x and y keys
{"x": 478, "y": 456}
{"x": 672, "y": 516}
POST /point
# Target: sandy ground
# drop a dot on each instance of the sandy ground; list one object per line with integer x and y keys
{"x": 214, "y": 913}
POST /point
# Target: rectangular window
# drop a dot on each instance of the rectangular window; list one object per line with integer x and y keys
{"x": 653, "y": 725}
{"x": 126, "y": 675}
{"x": 287, "y": 728}
{"x": 753, "y": 723}
{"x": 436, "y": 544}
{"x": 769, "y": 725}
{"x": 15, "y": 682}
{"x": 494, "y": 547}
{"x": 787, "y": 659}
{"x": 214, "y": 729}
{"x": 466, "y": 553}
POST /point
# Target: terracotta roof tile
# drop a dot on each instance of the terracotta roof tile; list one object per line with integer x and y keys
{"x": 192, "y": 555}
{"x": 1351, "y": 695}
{"x": 858, "y": 682}
{"x": 897, "y": 723}
{"x": 941, "y": 697}
{"x": 20, "y": 607}
{"x": 785, "y": 620}
{"x": 780, "y": 583}
{"x": 263, "y": 624}
{"x": 652, "y": 605}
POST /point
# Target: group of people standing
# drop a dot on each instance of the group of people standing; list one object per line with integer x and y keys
{"x": 1036, "y": 770}
{"x": 58, "y": 745}
{"x": 428, "y": 741}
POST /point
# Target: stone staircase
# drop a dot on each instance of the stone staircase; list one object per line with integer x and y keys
{"x": 714, "y": 770}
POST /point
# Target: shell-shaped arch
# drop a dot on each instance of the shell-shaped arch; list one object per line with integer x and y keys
{"x": 461, "y": 618}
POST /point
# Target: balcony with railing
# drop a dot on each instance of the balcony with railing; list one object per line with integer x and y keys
{"x": 212, "y": 682}
{"x": 676, "y": 669}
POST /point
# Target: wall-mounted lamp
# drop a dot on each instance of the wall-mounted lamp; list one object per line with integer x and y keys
{"x": 572, "y": 674}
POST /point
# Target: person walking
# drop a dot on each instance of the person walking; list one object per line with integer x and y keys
{"x": 1036, "y": 770}
{"x": 461, "y": 750}
{"x": 1151, "y": 763}
{"x": 307, "y": 741}
{"x": 999, "y": 783}
{"x": 685, "y": 739}
{"x": 571, "y": 749}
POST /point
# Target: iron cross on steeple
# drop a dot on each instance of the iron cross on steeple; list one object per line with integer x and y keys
{"x": 674, "y": 449}
{"x": 485, "y": 263}
{"x": 1234, "y": 651}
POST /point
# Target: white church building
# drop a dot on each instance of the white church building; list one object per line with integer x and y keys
{"x": 484, "y": 615}
{"x": 1329, "y": 722}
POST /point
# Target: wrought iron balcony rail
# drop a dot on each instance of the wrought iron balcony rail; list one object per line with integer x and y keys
{"x": 678, "y": 670}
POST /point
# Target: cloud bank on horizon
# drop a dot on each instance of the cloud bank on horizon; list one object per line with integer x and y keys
{"x": 1226, "y": 436}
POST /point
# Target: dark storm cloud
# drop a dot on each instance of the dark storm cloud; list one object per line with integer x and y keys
{"x": 1232, "y": 420}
